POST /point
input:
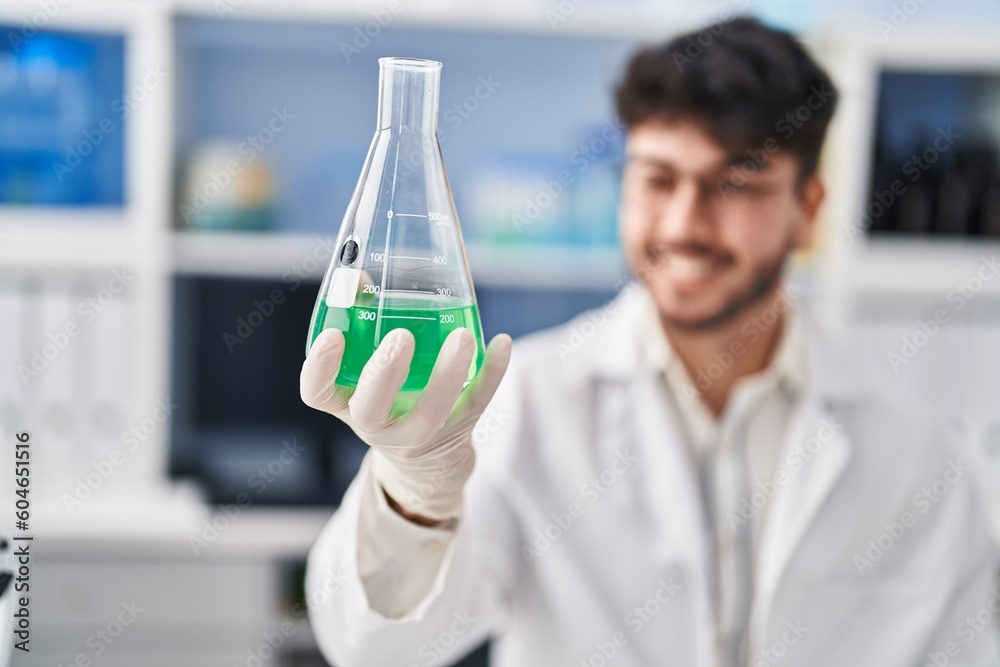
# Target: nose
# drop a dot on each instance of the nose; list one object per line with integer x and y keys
{"x": 685, "y": 216}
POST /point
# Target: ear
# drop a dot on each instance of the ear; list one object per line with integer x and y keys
{"x": 811, "y": 197}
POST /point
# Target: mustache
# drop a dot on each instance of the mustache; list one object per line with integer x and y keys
{"x": 658, "y": 252}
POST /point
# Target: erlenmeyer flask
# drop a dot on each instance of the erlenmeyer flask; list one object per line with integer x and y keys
{"x": 400, "y": 261}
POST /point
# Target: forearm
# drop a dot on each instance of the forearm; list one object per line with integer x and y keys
{"x": 398, "y": 584}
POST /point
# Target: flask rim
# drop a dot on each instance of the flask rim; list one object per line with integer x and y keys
{"x": 410, "y": 63}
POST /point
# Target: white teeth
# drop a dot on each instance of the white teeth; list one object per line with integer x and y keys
{"x": 689, "y": 267}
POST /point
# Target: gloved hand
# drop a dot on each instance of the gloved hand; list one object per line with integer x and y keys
{"x": 422, "y": 458}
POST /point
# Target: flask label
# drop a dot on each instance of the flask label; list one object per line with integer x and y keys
{"x": 343, "y": 288}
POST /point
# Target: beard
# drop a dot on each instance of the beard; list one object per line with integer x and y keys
{"x": 761, "y": 283}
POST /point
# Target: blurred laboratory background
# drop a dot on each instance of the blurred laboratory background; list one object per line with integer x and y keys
{"x": 154, "y": 300}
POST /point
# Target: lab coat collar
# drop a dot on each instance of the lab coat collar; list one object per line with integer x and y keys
{"x": 831, "y": 370}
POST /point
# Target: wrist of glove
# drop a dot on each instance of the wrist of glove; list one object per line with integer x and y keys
{"x": 430, "y": 487}
{"x": 421, "y": 458}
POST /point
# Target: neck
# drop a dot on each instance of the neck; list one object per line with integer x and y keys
{"x": 716, "y": 358}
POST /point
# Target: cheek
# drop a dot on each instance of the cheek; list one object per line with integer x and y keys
{"x": 760, "y": 239}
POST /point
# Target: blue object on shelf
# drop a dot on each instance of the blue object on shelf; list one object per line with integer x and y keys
{"x": 62, "y": 118}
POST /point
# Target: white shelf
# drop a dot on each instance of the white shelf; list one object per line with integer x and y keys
{"x": 252, "y": 254}
{"x": 70, "y": 240}
{"x": 930, "y": 266}
{"x": 256, "y": 533}
{"x": 277, "y": 255}
{"x": 644, "y": 20}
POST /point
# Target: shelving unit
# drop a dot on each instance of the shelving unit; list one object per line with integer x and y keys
{"x": 141, "y": 236}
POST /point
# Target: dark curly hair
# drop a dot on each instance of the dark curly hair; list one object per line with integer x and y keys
{"x": 744, "y": 83}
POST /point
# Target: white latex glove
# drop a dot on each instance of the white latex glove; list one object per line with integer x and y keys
{"x": 423, "y": 458}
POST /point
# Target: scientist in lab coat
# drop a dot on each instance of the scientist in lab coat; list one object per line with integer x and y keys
{"x": 699, "y": 472}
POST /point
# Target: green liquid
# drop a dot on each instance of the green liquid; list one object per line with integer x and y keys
{"x": 429, "y": 325}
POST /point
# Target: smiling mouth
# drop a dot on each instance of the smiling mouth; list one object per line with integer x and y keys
{"x": 685, "y": 266}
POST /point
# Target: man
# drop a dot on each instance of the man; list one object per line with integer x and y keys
{"x": 707, "y": 479}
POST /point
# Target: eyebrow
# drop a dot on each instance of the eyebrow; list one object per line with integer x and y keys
{"x": 731, "y": 161}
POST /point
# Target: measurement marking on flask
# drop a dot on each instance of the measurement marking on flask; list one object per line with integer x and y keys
{"x": 409, "y": 317}
{"x": 410, "y": 215}
{"x": 411, "y": 291}
{"x": 407, "y": 257}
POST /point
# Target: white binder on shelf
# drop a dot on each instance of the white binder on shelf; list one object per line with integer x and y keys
{"x": 105, "y": 406}
{"x": 58, "y": 392}
{"x": 11, "y": 390}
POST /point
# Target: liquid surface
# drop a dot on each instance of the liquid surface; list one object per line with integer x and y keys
{"x": 429, "y": 323}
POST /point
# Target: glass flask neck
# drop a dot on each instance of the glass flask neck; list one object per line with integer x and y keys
{"x": 408, "y": 94}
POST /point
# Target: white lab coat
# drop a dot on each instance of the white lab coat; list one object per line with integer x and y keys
{"x": 625, "y": 577}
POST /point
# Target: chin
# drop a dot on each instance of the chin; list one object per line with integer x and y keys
{"x": 683, "y": 312}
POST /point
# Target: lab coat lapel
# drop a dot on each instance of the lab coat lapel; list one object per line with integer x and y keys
{"x": 793, "y": 509}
